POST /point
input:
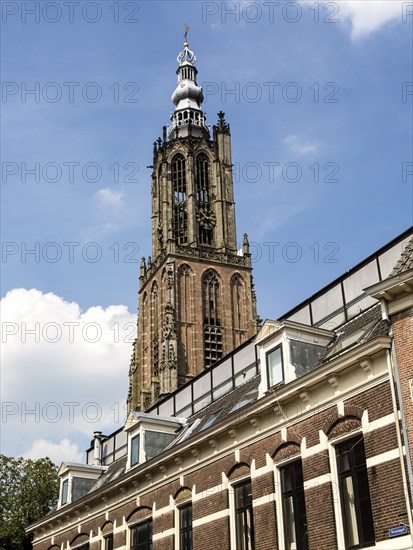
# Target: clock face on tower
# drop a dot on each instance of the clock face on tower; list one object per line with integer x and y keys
{"x": 206, "y": 218}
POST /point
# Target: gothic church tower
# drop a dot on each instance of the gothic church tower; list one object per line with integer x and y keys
{"x": 196, "y": 298}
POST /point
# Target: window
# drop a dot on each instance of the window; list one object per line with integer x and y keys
{"x": 244, "y": 527}
{"x": 203, "y": 196}
{"x": 155, "y": 327}
{"x": 244, "y": 401}
{"x": 179, "y": 198}
{"x": 293, "y": 506}
{"x": 185, "y": 527}
{"x": 141, "y": 536}
{"x": 134, "y": 458}
{"x": 108, "y": 542}
{"x": 354, "y": 493}
{"x": 185, "y": 326}
{"x": 81, "y": 487}
{"x": 211, "y": 420}
{"x": 212, "y": 319}
{"x": 305, "y": 356}
{"x": 236, "y": 293}
{"x": 185, "y": 294}
{"x": 275, "y": 371}
{"x": 65, "y": 490}
{"x": 156, "y": 442}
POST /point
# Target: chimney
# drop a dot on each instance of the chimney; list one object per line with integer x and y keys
{"x": 97, "y": 448}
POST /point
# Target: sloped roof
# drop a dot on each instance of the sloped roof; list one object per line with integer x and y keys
{"x": 226, "y": 403}
{"x": 116, "y": 469}
{"x": 405, "y": 262}
{"x": 359, "y": 330}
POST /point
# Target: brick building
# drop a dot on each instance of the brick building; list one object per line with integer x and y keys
{"x": 294, "y": 435}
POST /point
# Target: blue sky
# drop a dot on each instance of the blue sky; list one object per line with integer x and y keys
{"x": 321, "y": 125}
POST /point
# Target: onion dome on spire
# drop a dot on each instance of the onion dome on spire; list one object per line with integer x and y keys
{"x": 188, "y": 117}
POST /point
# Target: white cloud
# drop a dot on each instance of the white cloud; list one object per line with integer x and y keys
{"x": 64, "y": 451}
{"x": 64, "y": 371}
{"x": 368, "y": 16}
{"x": 108, "y": 199}
{"x": 300, "y": 147}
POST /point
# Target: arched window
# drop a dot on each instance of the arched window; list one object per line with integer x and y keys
{"x": 291, "y": 514}
{"x": 293, "y": 505}
{"x": 80, "y": 542}
{"x": 210, "y": 284}
{"x": 353, "y": 483}
{"x": 184, "y": 519}
{"x": 202, "y": 179}
{"x": 180, "y": 220}
{"x": 184, "y": 279}
{"x": 143, "y": 314}
{"x": 243, "y": 511}
{"x": 140, "y": 529}
{"x": 107, "y": 533}
{"x": 155, "y": 329}
{"x": 203, "y": 198}
{"x": 185, "y": 324}
{"x": 212, "y": 318}
{"x": 237, "y": 303}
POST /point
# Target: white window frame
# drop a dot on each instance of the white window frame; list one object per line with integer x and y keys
{"x": 278, "y": 495}
{"x": 105, "y": 537}
{"x": 68, "y": 479}
{"x": 335, "y": 482}
{"x": 177, "y": 523}
{"x": 279, "y": 347}
{"x": 136, "y": 437}
{"x": 232, "y": 508}
{"x": 131, "y": 526}
{"x": 141, "y": 434}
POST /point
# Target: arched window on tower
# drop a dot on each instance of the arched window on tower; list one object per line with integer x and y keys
{"x": 143, "y": 317}
{"x": 212, "y": 318}
{"x": 180, "y": 219}
{"x": 155, "y": 330}
{"x": 185, "y": 325}
{"x": 184, "y": 278}
{"x": 237, "y": 301}
{"x": 205, "y": 216}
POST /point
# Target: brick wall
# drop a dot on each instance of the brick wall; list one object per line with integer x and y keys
{"x": 387, "y": 497}
{"x": 211, "y": 536}
{"x": 403, "y": 343}
{"x": 320, "y": 517}
{"x": 214, "y": 498}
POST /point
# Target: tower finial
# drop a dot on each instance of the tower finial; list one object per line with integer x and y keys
{"x": 186, "y": 56}
{"x": 186, "y": 28}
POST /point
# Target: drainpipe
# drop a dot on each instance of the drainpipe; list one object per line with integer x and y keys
{"x": 395, "y": 382}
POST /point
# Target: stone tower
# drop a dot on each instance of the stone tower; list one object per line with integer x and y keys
{"x": 196, "y": 298}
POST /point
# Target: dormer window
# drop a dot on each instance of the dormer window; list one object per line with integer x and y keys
{"x": 149, "y": 435}
{"x": 305, "y": 356}
{"x": 76, "y": 480}
{"x": 275, "y": 368}
{"x": 135, "y": 443}
{"x": 65, "y": 492}
{"x": 288, "y": 350}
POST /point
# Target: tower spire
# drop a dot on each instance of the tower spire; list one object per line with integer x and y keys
{"x": 187, "y": 98}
